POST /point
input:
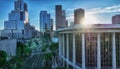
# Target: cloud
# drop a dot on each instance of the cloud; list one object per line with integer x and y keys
{"x": 110, "y": 9}
{"x": 72, "y": 9}
{"x": 70, "y": 18}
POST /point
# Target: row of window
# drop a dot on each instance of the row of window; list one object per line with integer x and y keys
{"x": 91, "y": 49}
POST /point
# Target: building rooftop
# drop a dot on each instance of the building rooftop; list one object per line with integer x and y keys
{"x": 91, "y": 26}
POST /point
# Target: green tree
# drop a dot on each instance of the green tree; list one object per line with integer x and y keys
{"x": 15, "y": 62}
{"x": 23, "y": 50}
{"x": 54, "y": 47}
{"x": 48, "y": 60}
{"x": 3, "y": 57}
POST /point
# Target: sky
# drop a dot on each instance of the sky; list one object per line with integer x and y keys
{"x": 102, "y": 10}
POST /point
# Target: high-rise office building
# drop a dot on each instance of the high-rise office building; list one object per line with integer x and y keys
{"x": 116, "y": 19}
{"x": 60, "y": 17}
{"x": 71, "y": 23}
{"x": 51, "y": 23}
{"x": 25, "y": 7}
{"x": 44, "y": 21}
{"x": 63, "y": 23}
{"x": 58, "y": 14}
{"x": 66, "y": 22}
{"x": 16, "y": 27}
{"x": 18, "y": 5}
{"x": 79, "y": 15}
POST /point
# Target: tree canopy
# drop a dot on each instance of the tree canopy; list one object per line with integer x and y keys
{"x": 3, "y": 57}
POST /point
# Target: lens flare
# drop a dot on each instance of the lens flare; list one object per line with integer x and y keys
{"x": 90, "y": 19}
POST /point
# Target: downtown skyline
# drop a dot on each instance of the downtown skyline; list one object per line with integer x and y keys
{"x": 101, "y": 10}
{"x": 60, "y": 34}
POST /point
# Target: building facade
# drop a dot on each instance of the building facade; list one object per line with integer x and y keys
{"x": 16, "y": 20}
{"x": 90, "y": 47}
{"x": 79, "y": 15}
{"x": 17, "y": 26}
{"x": 60, "y": 17}
{"x": 9, "y": 46}
{"x": 30, "y": 31}
{"x": 116, "y": 19}
{"x": 45, "y": 22}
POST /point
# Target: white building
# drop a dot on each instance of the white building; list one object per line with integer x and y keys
{"x": 9, "y": 46}
{"x": 94, "y": 46}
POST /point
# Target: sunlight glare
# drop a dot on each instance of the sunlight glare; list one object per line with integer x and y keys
{"x": 90, "y": 19}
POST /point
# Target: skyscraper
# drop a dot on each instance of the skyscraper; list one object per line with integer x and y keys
{"x": 116, "y": 19}
{"x": 60, "y": 17}
{"x": 51, "y": 23}
{"x": 44, "y": 21}
{"x": 15, "y": 26}
{"x": 18, "y": 5}
{"x": 63, "y": 23}
{"x": 79, "y": 15}
{"x": 25, "y": 7}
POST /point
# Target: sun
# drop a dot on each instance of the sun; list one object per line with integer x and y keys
{"x": 91, "y": 19}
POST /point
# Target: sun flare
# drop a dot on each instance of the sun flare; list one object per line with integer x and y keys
{"x": 90, "y": 19}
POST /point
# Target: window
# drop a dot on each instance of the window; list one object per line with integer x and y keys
{"x": 106, "y": 50}
{"x": 78, "y": 44}
{"x": 117, "y": 38}
{"x": 71, "y": 47}
{"x": 65, "y": 45}
{"x": 91, "y": 50}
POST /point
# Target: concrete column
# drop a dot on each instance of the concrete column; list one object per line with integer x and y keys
{"x": 63, "y": 63}
{"x": 113, "y": 51}
{"x": 60, "y": 44}
{"x": 83, "y": 51}
{"x": 67, "y": 48}
{"x": 74, "y": 53}
{"x": 63, "y": 41}
{"x": 98, "y": 52}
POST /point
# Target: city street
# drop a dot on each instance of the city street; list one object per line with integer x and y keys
{"x": 34, "y": 62}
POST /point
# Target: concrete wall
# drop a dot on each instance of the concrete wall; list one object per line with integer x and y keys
{"x": 9, "y": 46}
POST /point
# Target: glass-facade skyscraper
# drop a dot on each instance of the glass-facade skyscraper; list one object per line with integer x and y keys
{"x": 45, "y": 23}
{"x": 16, "y": 20}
